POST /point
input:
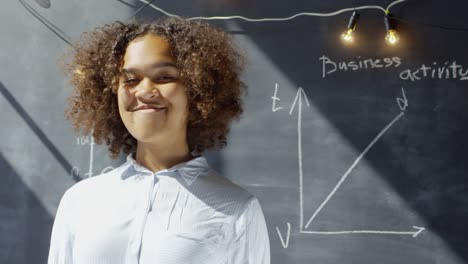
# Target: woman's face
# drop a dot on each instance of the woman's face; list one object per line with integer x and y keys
{"x": 152, "y": 100}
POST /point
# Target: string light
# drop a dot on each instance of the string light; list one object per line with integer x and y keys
{"x": 391, "y": 37}
{"x": 348, "y": 35}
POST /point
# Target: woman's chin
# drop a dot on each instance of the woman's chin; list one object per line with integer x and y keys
{"x": 147, "y": 136}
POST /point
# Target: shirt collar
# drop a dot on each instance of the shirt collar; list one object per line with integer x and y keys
{"x": 189, "y": 170}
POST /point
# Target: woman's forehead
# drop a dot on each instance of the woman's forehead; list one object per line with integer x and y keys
{"x": 148, "y": 51}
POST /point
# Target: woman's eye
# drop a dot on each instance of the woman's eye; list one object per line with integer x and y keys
{"x": 165, "y": 78}
{"x": 130, "y": 80}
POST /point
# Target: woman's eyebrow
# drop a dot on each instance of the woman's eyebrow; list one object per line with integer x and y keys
{"x": 152, "y": 67}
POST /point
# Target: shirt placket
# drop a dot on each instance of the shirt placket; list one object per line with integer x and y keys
{"x": 143, "y": 208}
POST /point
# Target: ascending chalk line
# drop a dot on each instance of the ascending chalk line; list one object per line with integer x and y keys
{"x": 298, "y": 99}
{"x": 91, "y": 158}
{"x": 358, "y": 159}
{"x": 385, "y": 10}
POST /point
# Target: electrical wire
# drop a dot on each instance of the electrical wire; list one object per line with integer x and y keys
{"x": 392, "y": 4}
{"x": 328, "y": 14}
{"x": 276, "y": 18}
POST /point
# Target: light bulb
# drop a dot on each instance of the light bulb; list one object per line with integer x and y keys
{"x": 347, "y": 35}
{"x": 392, "y": 37}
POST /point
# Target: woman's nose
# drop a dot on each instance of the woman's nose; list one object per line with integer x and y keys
{"x": 147, "y": 90}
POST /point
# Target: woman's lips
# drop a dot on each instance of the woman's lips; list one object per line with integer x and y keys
{"x": 149, "y": 108}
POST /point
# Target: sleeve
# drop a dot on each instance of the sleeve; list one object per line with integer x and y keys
{"x": 61, "y": 241}
{"x": 251, "y": 244}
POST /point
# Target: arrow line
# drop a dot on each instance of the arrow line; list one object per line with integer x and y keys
{"x": 412, "y": 233}
{"x": 358, "y": 159}
{"x": 298, "y": 99}
{"x": 91, "y": 154}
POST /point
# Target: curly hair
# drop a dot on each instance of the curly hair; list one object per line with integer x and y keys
{"x": 209, "y": 66}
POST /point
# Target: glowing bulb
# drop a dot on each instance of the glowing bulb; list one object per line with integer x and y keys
{"x": 392, "y": 37}
{"x": 347, "y": 35}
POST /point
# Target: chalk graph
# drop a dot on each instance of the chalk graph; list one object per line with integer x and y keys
{"x": 300, "y": 97}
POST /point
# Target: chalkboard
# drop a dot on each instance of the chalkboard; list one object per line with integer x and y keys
{"x": 357, "y": 153}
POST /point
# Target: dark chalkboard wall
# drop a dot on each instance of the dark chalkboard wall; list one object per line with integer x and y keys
{"x": 358, "y": 154}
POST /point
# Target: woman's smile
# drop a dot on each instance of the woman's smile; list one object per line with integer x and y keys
{"x": 150, "y": 110}
{"x": 149, "y": 107}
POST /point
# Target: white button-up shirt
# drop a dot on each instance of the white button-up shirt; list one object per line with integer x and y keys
{"x": 187, "y": 214}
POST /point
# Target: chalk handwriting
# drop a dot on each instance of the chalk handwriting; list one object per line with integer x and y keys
{"x": 275, "y": 98}
{"x": 329, "y": 66}
{"x": 87, "y": 140}
{"x": 402, "y": 101}
{"x": 447, "y": 70}
{"x": 83, "y": 140}
{"x": 288, "y": 234}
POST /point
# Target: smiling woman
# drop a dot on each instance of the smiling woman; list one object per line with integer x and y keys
{"x": 162, "y": 93}
{"x": 204, "y": 58}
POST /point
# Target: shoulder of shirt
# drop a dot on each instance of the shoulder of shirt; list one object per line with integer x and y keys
{"x": 215, "y": 180}
{"x": 95, "y": 183}
{"x": 229, "y": 197}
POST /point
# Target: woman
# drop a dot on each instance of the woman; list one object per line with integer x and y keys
{"x": 162, "y": 93}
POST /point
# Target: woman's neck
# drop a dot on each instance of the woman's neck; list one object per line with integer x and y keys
{"x": 156, "y": 157}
